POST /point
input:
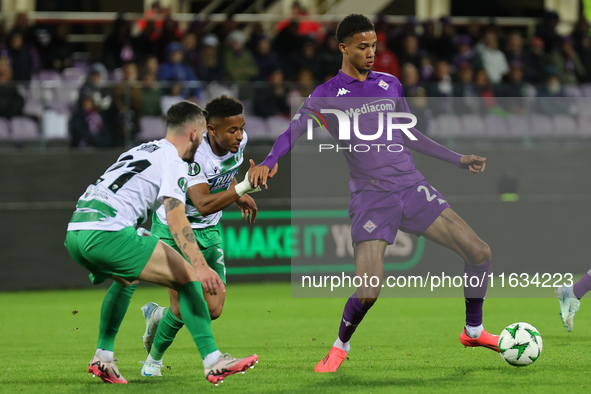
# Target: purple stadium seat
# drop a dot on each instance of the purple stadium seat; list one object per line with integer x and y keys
{"x": 74, "y": 76}
{"x": 541, "y": 126}
{"x": 473, "y": 126}
{"x": 565, "y": 126}
{"x": 276, "y": 125}
{"x": 24, "y": 129}
{"x": 4, "y": 130}
{"x": 151, "y": 128}
{"x": 518, "y": 126}
{"x": 496, "y": 127}
{"x": 446, "y": 126}
{"x": 256, "y": 128}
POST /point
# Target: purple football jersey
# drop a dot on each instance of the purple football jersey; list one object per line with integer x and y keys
{"x": 366, "y": 118}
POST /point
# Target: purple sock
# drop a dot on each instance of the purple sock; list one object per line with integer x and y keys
{"x": 352, "y": 316}
{"x": 474, "y": 295}
{"x": 582, "y": 286}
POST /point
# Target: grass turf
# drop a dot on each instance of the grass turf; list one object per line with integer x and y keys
{"x": 402, "y": 345}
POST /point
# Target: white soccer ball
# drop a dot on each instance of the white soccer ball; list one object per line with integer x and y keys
{"x": 520, "y": 344}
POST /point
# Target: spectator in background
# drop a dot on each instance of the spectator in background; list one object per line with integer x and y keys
{"x": 23, "y": 57}
{"x": 307, "y": 58}
{"x": 428, "y": 41}
{"x": 170, "y": 32}
{"x": 567, "y": 62}
{"x": 466, "y": 91}
{"x": 513, "y": 90}
{"x": 271, "y": 99}
{"x": 547, "y": 31}
{"x": 514, "y": 52}
{"x": 441, "y": 86}
{"x": 151, "y": 65}
{"x": 151, "y": 95}
{"x": 287, "y": 42}
{"x": 174, "y": 69}
{"x": 427, "y": 68}
{"x": 144, "y": 44}
{"x": 222, "y": 30}
{"x": 94, "y": 87}
{"x": 172, "y": 95}
{"x": 410, "y": 79}
{"x": 488, "y": 101}
{"x": 239, "y": 62}
{"x": 60, "y": 50}
{"x": 385, "y": 60}
{"x": 418, "y": 103}
{"x": 331, "y": 58}
{"x": 474, "y": 31}
{"x": 536, "y": 62}
{"x": 23, "y": 26}
{"x": 585, "y": 56}
{"x": 304, "y": 85}
{"x": 493, "y": 59}
{"x": 551, "y": 97}
{"x": 466, "y": 54}
{"x": 396, "y": 37}
{"x": 11, "y": 102}
{"x": 446, "y": 42}
{"x": 266, "y": 59}
{"x": 192, "y": 56}
{"x": 257, "y": 34}
{"x": 410, "y": 52}
{"x": 127, "y": 97}
{"x": 88, "y": 127}
{"x": 579, "y": 33}
{"x": 211, "y": 67}
{"x": 118, "y": 46}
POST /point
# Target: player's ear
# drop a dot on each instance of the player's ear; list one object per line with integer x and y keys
{"x": 343, "y": 48}
{"x": 211, "y": 129}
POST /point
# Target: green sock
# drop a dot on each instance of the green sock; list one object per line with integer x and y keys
{"x": 112, "y": 313}
{"x": 196, "y": 317}
{"x": 167, "y": 329}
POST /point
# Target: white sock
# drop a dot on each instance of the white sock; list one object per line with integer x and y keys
{"x": 211, "y": 358}
{"x": 105, "y": 355}
{"x": 158, "y": 313}
{"x": 150, "y": 360}
{"x": 346, "y": 346}
{"x": 474, "y": 331}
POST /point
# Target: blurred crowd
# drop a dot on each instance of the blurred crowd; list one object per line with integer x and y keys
{"x": 147, "y": 65}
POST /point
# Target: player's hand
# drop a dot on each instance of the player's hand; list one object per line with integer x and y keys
{"x": 210, "y": 281}
{"x": 258, "y": 175}
{"x": 473, "y": 163}
{"x": 248, "y": 207}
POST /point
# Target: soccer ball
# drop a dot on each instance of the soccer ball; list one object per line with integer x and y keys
{"x": 520, "y": 344}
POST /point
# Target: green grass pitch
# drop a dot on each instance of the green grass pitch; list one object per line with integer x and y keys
{"x": 403, "y": 345}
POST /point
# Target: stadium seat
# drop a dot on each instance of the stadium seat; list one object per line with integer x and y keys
{"x": 473, "y": 126}
{"x": 541, "y": 126}
{"x": 565, "y": 126}
{"x": 573, "y": 91}
{"x": 586, "y": 88}
{"x": 256, "y": 128}
{"x": 584, "y": 125}
{"x": 446, "y": 126}
{"x": 496, "y": 127}
{"x": 151, "y": 128}
{"x": 24, "y": 129}
{"x": 276, "y": 125}
{"x": 54, "y": 126}
{"x": 74, "y": 76}
{"x": 4, "y": 130}
{"x": 518, "y": 126}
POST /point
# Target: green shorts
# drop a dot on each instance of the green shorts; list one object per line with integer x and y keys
{"x": 106, "y": 253}
{"x": 209, "y": 240}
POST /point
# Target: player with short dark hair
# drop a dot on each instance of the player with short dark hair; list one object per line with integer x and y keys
{"x": 102, "y": 238}
{"x": 387, "y": 191}
{"x": 212, "y": 187}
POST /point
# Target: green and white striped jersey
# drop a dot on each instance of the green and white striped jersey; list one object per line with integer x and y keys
{"x": 217, "y": 172}
{"x": 132, "y": 188}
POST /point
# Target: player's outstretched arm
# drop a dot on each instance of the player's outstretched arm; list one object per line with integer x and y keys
{"x": 185, "y": 239}
{"x": 475, "y": 164}
{"x": 258, "y": 175}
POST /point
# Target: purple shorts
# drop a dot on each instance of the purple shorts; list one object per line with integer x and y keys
{"x": 379, "y": 215}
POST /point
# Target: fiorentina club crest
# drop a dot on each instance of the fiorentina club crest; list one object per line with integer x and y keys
{"x": 383, "y": 84}
{"x": 369, "y": 226}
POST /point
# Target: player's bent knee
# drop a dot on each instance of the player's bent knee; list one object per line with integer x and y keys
{"x": 481, "y": 255}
